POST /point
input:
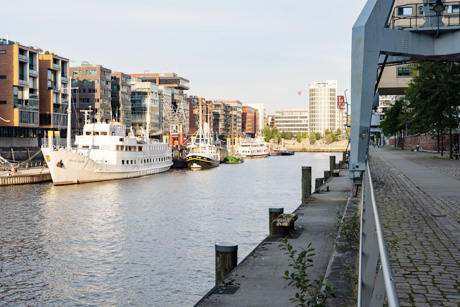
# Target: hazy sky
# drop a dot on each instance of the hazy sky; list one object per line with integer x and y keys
{"x": 256, "y": 51}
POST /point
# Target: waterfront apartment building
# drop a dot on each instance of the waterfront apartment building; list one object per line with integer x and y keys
{"x": 54, "y": 91}
{"x": 270, "y": 121}
{"x": 222, "y": 125}
{"x": 196, "y": 104}
{"x": 121, "y": 98}
{"x": 19, "y": 90}
{"x": 292, "y": 121}
{"x": 91, "y": 90}
{"x": 322, "y": 106}
{"x": 249, "y": 121}
{"x": 237, "y": 111}
{"x": 177, "y": 104}
{"x": 261, "y": 114}
{"x": 146, "y": 107}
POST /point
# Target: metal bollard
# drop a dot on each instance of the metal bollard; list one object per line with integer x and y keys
{"x": 344, "y": 156}
{"x": 273, "y": 213}
{"x": 226, "y": 259}
{"x": 331, "y": 163}
{"x": 306, "y": 183}
{"x": 318, "y": 183}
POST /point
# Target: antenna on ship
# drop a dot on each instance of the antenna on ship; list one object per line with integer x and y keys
{"x": 87, "y": 112}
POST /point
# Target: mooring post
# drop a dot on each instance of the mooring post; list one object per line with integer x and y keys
{"x": 306, "y": 183}
{"x": 327, "y": 174}
{"x": 273, "y": 213}
{"x": 318, "y": 183}
{"x": 331, "y": 163}
{"x": 344, "y": 156}
{"x": 226, "y": 259}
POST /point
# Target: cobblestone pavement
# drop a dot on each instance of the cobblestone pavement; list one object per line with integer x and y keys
{"x": 448, "y": 167}
{"x": 420, "y": 232}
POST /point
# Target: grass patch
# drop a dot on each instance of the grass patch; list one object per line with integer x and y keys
{"x": 440, "y": 157}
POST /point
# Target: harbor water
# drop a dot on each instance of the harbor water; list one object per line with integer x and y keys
{"x": 141, "y": 242}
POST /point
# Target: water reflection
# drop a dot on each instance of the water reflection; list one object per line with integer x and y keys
{"x": 146, "y": 241}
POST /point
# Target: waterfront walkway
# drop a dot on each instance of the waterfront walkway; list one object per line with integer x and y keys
{"x": 258, "y": 278}
{"x": 419, "y": 203}
{"x": 25, "y": 176}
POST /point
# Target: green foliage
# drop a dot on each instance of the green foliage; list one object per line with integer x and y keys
{"x": 310, "y": 293}
{"x": 396, "y": 118}
{"x": 312, "y": 138}
{"x": 299, "y": 137}
{"x": 318, "y": 136}
{"x": 328, "y": 138}
{"x": 290, "y": 135}
{"x": 304, "y": 135}
{"x": 339, "y": 132}
{"x": 284, "y": 135}
{"x": 349, "y": 230}
{"x": 267, "y": 132}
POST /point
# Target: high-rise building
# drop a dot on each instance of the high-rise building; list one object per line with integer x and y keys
{"x": 145, "y": 108}
{"x": 196, "y": 104}
{"x": 54, "y": 91}
{"x": 19, "y": 90}
{"x": 222, "y": 125}
{"x": 249, "y": 121}
{"x": 322, "y": 106}
{"x": 292, "y": 121}
{"x": 177, "y": 85}
{"x": 261, "y": 114}
{"x": 237, "y": 111}
{"x": 121, "y": 98}
{"x": 92, "y": 90}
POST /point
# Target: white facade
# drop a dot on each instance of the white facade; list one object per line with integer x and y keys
{"x": 292, "y": 121}
{"x": 261, "y": 115}
{"x": 145, "y": 95}
{"x": 322, "y": 106}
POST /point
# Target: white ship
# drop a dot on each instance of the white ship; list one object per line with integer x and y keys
{"x": 104, "y": 152}
{"x": 253, "y": 149}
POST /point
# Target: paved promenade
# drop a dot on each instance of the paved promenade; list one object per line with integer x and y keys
{"x": 419, "y": 203}
{"x": 257, "y": 280}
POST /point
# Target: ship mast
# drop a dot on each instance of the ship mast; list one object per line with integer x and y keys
{"x": 69, "y": 117}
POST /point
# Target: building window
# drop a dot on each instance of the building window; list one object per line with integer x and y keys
{"x": 2, "y": 77}
{"x": 453, "y": 9}
{"x": 404, "y": 72}
{"x": 2, "y": 102}
{"x": 405, "y": 11}
{"x": 2, "y": 51}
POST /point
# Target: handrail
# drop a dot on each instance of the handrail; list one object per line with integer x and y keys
{"x": 373, "y": 285}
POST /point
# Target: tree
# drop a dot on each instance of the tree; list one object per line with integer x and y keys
{"x": 434, "y": 98}
{"x": 328, "y": 138}
{"x": 284, "y": 135}
{"x": 396, "y": 118}
{"x": 339, "y": 132}
{"x": 304, "y": 135}
{"x": 289, "y": 135}
{"x": 299, "y": 137}
{"x": 318, "y": 136}
{"x": 267, "y": 132}
{"x": 312, "y": 138}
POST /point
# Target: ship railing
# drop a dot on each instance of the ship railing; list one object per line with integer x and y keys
{"x": 375, "y": 281}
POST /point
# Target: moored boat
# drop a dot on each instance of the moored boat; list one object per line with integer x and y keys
{"x": 105, "y": 152}
{"x": 253, "y": 149}
{"x": 233, "y": 160}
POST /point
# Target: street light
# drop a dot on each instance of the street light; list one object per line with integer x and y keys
{"x": 439, "y": 7}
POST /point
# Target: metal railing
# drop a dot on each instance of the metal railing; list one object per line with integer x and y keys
{"x": 375, "y": 280}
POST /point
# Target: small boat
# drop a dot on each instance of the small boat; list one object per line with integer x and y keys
{"x": 233, "y": 160}
{"x": 284, "y": 152}
{"x": 274, "y": 152}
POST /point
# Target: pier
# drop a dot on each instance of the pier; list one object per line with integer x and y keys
{"x": 25, "y": 176}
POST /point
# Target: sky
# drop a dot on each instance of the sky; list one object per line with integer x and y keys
{"x": 255, "y": 51}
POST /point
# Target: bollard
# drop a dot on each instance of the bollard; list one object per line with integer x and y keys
{"x": 344, "y": 156}
{"x": 331, "y": 163}
{"x": 273, "y": 213}
{"x": 306, "y": 183}
{"x": 318, "y": 183}
{"x": 327, "y": 174}
{"x": 226, "y": 259}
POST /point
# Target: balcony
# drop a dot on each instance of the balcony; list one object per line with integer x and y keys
{"x": 64, "y": 79}
{"x": 23, "y": 58}
{"x": 23, "y": 80}
{"x": 56, "y": 89}
{"x": 64, "y": 90}
{"x": 56, "y": 66}
{"x": 26, "y": 104}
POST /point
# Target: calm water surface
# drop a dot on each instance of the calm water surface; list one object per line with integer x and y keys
{"x": 139, "y": 242}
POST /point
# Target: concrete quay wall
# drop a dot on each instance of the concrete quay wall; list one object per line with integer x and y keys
{"x": 25, "y": 177}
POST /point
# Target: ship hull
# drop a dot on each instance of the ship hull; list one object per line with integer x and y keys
{"x": 197, "y": 161}
{"x": 70, "y": 168}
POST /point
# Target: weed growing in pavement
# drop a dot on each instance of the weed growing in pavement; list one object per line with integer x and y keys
{"x": 310, "y": 293}
{"x": 349, "y": 231}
